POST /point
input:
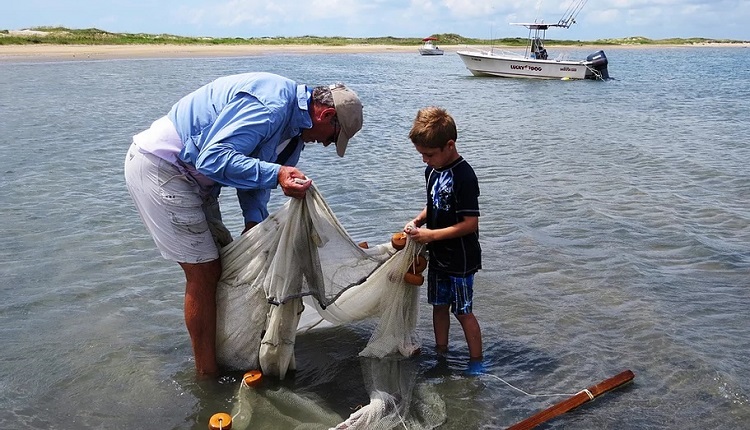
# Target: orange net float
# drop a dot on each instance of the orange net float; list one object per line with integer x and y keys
{"x": 418, "y": 264}
{"x": 398, "y": 240}
{"x": 220, "y": 421}
{"x": 413, "y": 278}
{"x": 252, "y": 378}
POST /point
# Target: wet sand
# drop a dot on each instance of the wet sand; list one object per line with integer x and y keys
{"x": 33, "y": 53}
{"x": 17, "y": 53}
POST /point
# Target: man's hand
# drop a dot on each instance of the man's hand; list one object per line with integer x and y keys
{"x": 293, "y": 182}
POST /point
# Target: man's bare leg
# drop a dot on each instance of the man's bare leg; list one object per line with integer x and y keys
{"x": 200, "y": 312}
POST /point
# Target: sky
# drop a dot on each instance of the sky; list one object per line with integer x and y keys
{"x": 483, "y": 19}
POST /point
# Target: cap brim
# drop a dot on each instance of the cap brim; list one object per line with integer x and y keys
{"x": 341, "y": 143}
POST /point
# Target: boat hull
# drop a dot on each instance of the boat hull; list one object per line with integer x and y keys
{"x": 430, "y": 51}
{"x": 506, "y": 66}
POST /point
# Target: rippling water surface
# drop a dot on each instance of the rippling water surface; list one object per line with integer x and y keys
{"x": 615, "y": 227}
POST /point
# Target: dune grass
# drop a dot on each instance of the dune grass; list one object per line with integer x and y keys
{"x": 95, "y": 36}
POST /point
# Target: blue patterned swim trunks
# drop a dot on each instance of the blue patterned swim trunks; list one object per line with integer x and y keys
{"x": 456, "y": 291}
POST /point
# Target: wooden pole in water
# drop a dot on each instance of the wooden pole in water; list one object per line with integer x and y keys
{"x": 573, "y": 402}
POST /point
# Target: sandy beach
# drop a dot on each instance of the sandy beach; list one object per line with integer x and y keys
{"x": 106, "y": 52}
{"x": 33, "y": 53}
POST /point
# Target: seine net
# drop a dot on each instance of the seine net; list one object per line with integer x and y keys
{"x": 299, "y": 270}
{"x": 302, "y": 251}
{"x": 397, "y": 401}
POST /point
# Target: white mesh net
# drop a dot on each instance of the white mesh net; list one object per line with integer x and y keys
{"x": 396, "y": 401}
{"x": 299, "y": 270}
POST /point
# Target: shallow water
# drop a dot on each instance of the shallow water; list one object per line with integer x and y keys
{"x": 615, "y": 228}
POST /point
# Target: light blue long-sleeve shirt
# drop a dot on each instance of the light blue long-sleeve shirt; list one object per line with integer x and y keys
{"x": 231, "y": 129}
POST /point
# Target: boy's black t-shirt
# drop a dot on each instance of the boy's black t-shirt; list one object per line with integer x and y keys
{"x": 452, "y": 193}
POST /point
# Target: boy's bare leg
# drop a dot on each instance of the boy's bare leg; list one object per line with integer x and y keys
{"x": 441, "y": 322}
{"x": 473, "y": 335}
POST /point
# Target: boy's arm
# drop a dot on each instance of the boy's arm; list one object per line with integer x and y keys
{"x": 468, "y": 225}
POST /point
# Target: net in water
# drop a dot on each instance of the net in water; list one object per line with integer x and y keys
{"x": 299, "y": 270}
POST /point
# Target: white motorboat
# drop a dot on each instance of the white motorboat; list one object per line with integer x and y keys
{"x": 429, "y": 47}
{"x": 535, "y": 62}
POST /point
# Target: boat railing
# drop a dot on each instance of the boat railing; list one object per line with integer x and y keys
{"x": 500, "y": 51}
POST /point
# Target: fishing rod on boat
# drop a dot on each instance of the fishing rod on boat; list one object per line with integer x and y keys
{"x": 569, "y": 17}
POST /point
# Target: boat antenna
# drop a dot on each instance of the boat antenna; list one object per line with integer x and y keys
{"x": 538, "y": 8}
{"x": 569, "y": 17}
{"x": 492, "y": 37}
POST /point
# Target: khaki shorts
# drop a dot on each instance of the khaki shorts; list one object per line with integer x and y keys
{"x": 183, "y": 219}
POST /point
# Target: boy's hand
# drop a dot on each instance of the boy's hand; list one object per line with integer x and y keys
{"x": 420, "y": 234}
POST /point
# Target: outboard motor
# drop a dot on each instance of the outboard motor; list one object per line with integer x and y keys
{"x": 598, "y": 67}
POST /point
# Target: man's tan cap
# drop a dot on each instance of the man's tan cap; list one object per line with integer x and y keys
{"x": 349, "y": 113}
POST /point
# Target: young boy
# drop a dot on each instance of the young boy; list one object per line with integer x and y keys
{"x": 449, "y": 225}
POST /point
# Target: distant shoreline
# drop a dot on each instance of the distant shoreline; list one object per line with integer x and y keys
{"x": 51, "y": 52}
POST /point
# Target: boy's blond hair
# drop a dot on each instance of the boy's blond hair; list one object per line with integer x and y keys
{"x": 433, "y": 128}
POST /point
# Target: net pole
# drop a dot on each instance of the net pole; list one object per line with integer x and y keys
{"x": 574, "y": 401}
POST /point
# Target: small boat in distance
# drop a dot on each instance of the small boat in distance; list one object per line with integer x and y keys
{"x": 535, "y": 62}
{"x": 429, "y": 48}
